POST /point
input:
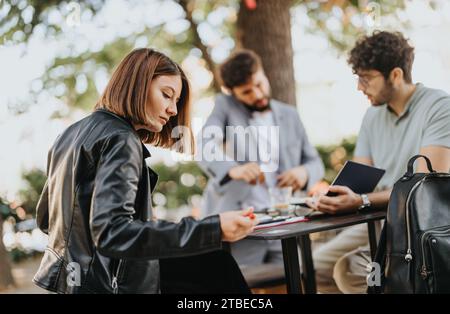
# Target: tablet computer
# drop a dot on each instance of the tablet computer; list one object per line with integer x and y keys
{"x": 360, "y": 178}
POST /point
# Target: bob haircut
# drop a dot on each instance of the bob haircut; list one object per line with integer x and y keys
{"x": 128, "y": 90}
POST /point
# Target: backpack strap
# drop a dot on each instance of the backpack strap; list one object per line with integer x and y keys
{"x": 380, "y": 258}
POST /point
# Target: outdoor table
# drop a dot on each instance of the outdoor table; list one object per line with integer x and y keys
{"x": 291, "y": 234}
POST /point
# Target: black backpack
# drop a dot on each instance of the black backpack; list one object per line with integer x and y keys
{"x": 414, "y": 246}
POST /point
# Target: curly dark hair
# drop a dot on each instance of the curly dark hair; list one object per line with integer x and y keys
{"x": 383, "y": 51}
{"x": 239, "y": 67}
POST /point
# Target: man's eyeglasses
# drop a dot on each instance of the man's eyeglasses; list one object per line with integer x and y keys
{"x": 365, "y": 80}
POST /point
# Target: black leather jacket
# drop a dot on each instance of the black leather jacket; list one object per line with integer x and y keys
{"x": 96, "y": 209}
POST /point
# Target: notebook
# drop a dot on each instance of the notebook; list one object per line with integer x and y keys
{"x": 360, "y": 178}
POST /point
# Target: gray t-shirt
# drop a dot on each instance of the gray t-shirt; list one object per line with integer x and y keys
{"x": 390, "y": 140}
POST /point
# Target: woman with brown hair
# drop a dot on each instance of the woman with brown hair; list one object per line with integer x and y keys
{"x": 96, "y": 205}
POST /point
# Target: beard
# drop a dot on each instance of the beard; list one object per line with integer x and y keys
{"x": 255, "y": 108}
{"x": 385, "y": 95}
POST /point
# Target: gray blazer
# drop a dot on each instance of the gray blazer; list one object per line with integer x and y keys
{"x": 294, "y": 150}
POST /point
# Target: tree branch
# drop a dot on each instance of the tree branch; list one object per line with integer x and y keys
{"x": 188, "y": 6}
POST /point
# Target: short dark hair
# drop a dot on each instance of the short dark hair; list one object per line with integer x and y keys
{"x": 239, "y": 67}
{"x": 128, "y": 90}
{"x": 383, "y": 51}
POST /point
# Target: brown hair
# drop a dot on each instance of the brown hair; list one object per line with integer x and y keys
{"x": 239, "y": 68}
{"x": 128, "y": 90}
{"x": 383, "y": 51}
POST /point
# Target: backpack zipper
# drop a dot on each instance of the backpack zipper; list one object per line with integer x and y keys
{"x": 408, "y": 256}
{"x": 424, "y": 272}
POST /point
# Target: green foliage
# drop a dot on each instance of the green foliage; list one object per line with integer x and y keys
{"x": 14, "y": 213}
{"x": 18, "y": 254}
{"x": 19, "y": 19}
{"x": 24, "y": 17}
{"x": 35, "y": 181}
{"x": 179, "y": 183}
{"x": 5, "y": 210}
{"x": 343, "y": 21}
{"x": 334, "y": 156}
{"x": 8, "y": 211}
{"x": 28, "y": 197}
{"x": 65, "y": 71}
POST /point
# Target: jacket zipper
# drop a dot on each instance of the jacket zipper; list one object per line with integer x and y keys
{"x": 114, "y": 283}
{"x": 408, "y": 256}
{"x": 424, "y": 272}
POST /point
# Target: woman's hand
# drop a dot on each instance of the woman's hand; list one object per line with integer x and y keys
{"x": 236, "y": 225}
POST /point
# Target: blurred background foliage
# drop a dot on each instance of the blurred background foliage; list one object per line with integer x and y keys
{"x": 335, "y": 156}
{"x": 177, "y": 184}
{"x": 73, "y": 74}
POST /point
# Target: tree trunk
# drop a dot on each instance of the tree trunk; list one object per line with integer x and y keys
{"x": 188, "y": 7}
{"x": 6, "y": 278}
{"x": 266, "y": 29}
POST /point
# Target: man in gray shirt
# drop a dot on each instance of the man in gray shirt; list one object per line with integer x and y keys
{"x": 405, "y": 119}
{"x": 249, "y": 144}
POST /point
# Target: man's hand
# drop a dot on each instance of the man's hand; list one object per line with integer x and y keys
{"x": 236, "y": 225}
{"x": 249, "y": 172}
{"x": 345, "y": 201}
{"x": 295, "y": 177}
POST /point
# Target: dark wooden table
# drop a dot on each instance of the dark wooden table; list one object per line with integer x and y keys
{"x": 291, "y": 234}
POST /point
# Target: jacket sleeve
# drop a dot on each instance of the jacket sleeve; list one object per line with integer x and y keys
{"x": 113, "y": 229}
